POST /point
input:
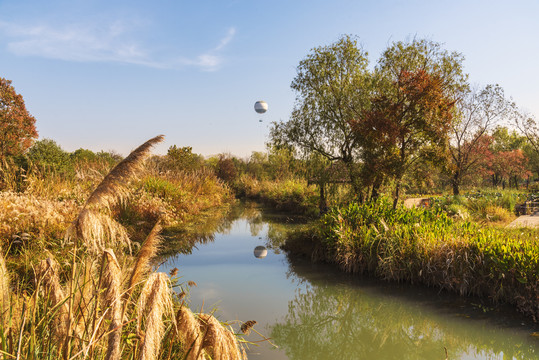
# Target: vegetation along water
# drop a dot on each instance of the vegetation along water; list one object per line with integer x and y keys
{"x": 150, "y": 257}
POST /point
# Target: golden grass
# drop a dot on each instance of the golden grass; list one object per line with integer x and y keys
{"x": 155, "y": 302}
{"x": 113, "y": 301}
{"x": 189, "y": 333}
{"x": 4, "y": 286}
{"x": 85, "y": 305}
{"x": 146, "y": 253}
{"x": 218, "y": 341}
{"x": 94, "y": 228}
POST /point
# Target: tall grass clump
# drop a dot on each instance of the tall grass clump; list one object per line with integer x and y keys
{"x": 293, "y": 195}
{"x": 94, "y": 298}
{"x": 427, "y": 246}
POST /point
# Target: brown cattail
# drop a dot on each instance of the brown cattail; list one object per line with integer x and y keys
{"x": 154, "y": 302}
{"x": 218, "y": 341}
{"x": 189, "y": 333}
{"x": 147, "y": 252}
{"x": 247, "y": 326}
{"x": 113, "y": 301}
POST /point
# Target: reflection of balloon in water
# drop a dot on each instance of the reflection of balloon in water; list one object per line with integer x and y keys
{"x": 261, "y": 106}
{"x": 260, "y": 252}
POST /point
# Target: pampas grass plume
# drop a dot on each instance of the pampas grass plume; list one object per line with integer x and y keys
{"x": 112, "y": 285}
{"x": 154, "y": 302}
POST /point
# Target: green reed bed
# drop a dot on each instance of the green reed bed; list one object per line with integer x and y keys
{"x": 293, "y": 195}
{"x": 427, "y": 246}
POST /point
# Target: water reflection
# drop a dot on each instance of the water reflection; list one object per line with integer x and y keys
{"x": 183, "y": 239}
{"x": 260, "y": 252}
{"x": 313, "y": 311}
{"x": 338, "y": 317}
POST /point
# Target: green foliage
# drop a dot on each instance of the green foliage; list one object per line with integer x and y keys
{"x": 182, "y": 158}
{"x": 47, "y": 155}
{"x": 293, "y": 195}
{"x": 428, "y": 246}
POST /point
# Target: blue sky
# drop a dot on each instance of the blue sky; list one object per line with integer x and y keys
{"x": 107, "y": 75}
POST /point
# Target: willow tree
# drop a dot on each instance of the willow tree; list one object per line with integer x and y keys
{"x": 333, "y": 86}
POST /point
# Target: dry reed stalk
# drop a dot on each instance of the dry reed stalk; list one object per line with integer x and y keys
{"x": 154, "y": 302}
{"x": 82, "y": 290}
{"x": 146, "y": 253}
{"x": 189, "y": 333}
{"x": 4, "y": 287}
{"x": 219, "y": 341}
{"x": 113, "y": 301}
{"x": 47, "y": 275}
{"x": 89, "y": 226}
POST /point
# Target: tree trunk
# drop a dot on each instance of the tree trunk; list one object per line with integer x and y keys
{"x": 323, "y": 206}
{"x": 397, "y": 193}
{"x": 455, "y": 181}
{"x": 375, "y": 188}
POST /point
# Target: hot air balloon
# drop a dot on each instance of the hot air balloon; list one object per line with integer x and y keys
{"x": 260, "y": 252}
{"x": 261, "y": 106}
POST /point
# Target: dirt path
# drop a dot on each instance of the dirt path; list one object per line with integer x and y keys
{"x": 531, "y": 221}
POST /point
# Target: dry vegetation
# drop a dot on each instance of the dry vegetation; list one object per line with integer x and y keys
{"x": 86, "y": 295}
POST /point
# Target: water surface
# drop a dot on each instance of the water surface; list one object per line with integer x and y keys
{"x": 313, "y": 311}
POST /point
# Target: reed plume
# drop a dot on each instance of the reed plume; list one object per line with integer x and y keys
{"x": 147, "y": 251}
{"x": 112, "y": 189}
{"x": 219, "y": 341}
{"x": 154, "y": 302}
{"x": 189, "y": 333}
{"x": 112, "y": 286}
{"x": 4, "y": 287}
{"x": 94, "y": 228}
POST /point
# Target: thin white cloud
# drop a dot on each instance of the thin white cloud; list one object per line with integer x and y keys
{"x": 211, "y": 60}
{"x": 113, "y": 42}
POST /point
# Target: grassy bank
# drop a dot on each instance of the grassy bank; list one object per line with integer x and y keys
{"x": 291, "y": 195}
{"x": 74, "y": 284}
{"x": 430, "y": 247}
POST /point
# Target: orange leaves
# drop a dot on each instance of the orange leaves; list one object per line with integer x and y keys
{"x": 17, "y": 126}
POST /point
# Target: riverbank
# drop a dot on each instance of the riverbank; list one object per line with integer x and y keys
{"x": 429, "y": 247}
{"x": 76, "y": 277}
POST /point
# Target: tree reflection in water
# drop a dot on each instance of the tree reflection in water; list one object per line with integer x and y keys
{"x": 335, "y": 319}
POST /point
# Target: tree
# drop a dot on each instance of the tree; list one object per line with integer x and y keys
{"x": 332, "y": 84}
{"x": 478, "y": 111}
{"x": 412, "y": 109}
{"x": 47, "y": 155}
{"x": 183, "y": 159}
{"x": 17, "y": 126}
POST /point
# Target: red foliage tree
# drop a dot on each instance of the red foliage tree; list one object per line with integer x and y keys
{"x": 17, "y": 126}
{"x": 409, "y": 119}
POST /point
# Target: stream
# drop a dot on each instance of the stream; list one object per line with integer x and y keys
{"x": 314, "y": 311}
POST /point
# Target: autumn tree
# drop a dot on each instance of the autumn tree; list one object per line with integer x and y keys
{"x": 413, "y": 106}
{"x": 332, "y": 84}
{"x": 17, "y": 126}
{"x": 477, "y": 112}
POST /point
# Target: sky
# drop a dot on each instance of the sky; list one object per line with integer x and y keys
{"x": 108, "y": 75}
